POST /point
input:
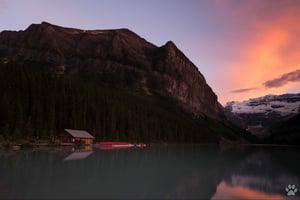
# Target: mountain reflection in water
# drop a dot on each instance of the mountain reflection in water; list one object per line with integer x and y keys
{"x": 157, "y": 172}
{"x": 262, "y": 174}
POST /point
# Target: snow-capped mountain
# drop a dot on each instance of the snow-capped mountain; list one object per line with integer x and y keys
{"x": 282, "y": 104}
{"x": 257, "y": 115}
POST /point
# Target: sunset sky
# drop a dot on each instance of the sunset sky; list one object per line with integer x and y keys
{"x": 244, "y": 48}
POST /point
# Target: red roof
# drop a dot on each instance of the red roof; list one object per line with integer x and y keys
{"x": 79, "y": 133}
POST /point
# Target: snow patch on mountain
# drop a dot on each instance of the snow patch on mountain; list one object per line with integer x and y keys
{"x": 259, "y": 115}
{"x": 282, "y": 104}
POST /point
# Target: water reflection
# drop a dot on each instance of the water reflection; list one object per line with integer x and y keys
{"x": 149, "y": 173}
{"x": 80, "y": 153}
{"x": 226, "y": 191}
{"x": 160, "y": 172}
{"x": 262, "y": 174}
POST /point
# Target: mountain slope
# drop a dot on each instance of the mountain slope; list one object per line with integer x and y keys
{"x": 112, "y": 83}
{"x": 118, "y": 54}
{"x": 35, "y": 104}
{"x": 258, "y": 115}
{"x": 287, "y": 132}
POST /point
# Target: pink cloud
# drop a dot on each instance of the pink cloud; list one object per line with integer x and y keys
{"x": 267, "y": 34}
{"x": 293, "y": 76}
{"x": 243, "y": 90}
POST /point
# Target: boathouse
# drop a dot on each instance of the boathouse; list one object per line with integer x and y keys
{"x": 76, "y": 136}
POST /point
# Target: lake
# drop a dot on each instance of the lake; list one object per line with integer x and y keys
{"x": 155, "y": 172}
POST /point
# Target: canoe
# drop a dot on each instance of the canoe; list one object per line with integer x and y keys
{"x": 114, "y": 145}
{"x": 140, "y": 145}
{"x": 107, "y": 147}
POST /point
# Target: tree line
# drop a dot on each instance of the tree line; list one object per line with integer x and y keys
{"x": 35, "y": 103}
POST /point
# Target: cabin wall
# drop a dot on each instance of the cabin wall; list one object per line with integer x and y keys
{"x": 84, "y": 140}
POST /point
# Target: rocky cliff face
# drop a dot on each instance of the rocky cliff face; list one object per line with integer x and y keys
{"x": 183, "y": 80}
{"x": 164, "y": 70}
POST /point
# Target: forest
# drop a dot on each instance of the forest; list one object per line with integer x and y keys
{"x": 37, "y": 104}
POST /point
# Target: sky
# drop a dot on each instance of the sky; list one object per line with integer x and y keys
{"x": 244, "y": 48}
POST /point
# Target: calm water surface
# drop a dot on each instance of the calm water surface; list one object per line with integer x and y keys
{"x": 157, "y": 172}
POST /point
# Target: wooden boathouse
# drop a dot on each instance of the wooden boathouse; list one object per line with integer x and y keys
{"x": 76, "y": 137}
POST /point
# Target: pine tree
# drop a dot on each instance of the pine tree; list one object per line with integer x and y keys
{"x": 29, "y": 129}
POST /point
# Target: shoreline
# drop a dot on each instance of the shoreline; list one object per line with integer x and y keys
{"x": 17, "y": 146}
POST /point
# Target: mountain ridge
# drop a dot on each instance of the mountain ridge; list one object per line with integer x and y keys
{"x": 164, "y": 70}
{"x": 259, "y": 115}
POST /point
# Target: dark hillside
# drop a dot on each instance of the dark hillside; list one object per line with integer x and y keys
{"x": 113, "y": 83}
{"x": 287, "y": 132}
{"x": 37, "y": 104}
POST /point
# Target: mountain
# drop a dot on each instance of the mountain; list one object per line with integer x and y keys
{"x": 164, "y": 70}
{"x": 112, "y": 83}
{"x": 286, "y": 132}
{"x": 259, "y": 115}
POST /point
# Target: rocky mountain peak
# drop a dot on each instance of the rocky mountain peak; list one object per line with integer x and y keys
{"x": 119, "y": 53}
{"x": 172, "y": 51}
{"x": 170, "y": 45}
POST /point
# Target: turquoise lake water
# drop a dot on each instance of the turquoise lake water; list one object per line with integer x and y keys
{"x": 154, "y": 172}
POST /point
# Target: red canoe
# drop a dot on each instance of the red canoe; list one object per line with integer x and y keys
{"x": 114, "y": 145}
{"x": 140, "y": 145}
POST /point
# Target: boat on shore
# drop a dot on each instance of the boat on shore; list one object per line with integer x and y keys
{"x": 109, "y": 145}
{"x": 140, "y": 145}
{"x": 114, "y": 145}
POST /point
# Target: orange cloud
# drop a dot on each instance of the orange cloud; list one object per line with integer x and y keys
{"x": 271, "y": 47}
{"x": 243, "y": 90}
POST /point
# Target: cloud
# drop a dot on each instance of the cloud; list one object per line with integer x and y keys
{"x": 293, "y": 76}
{"x": 260, "y": 41}
{"x": 243, "y": 90}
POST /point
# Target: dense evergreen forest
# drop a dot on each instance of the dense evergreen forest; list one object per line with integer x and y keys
{"x": 36, "y": 103}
